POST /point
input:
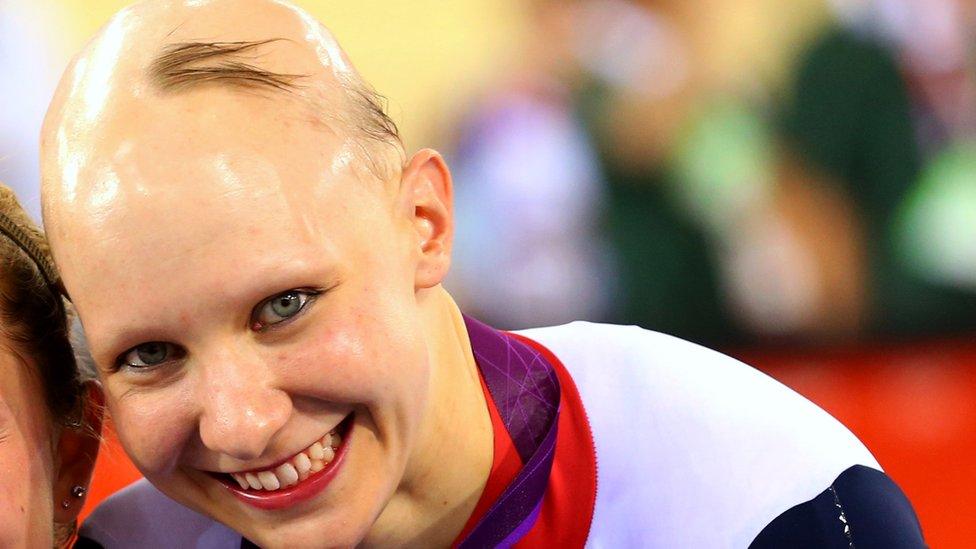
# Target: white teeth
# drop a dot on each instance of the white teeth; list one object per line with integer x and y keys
{"x": 315, "y": 451}
{"x": 303, "y": 465}
{"x": 241, "y": 480}
{"x": 312, "y": 460}
{"x": 269, "y": 480}
{"x": 287, "y": 474}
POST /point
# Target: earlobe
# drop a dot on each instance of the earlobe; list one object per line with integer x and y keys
{"x": 428, "y": 182}
{"x": 77, "y": 449}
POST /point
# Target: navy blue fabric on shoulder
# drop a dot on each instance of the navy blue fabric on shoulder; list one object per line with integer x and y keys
{"x": 862, "y": 509}
{"x": 85, "y": 543}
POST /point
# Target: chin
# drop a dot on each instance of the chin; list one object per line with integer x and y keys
{"x": 313, "y": 534}
{"x": 325, "y": 526}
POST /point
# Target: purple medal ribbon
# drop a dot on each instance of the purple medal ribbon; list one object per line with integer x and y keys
{"x": 525, "y": 389}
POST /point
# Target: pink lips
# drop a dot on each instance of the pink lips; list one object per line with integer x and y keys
{"x": 304, "y": 490}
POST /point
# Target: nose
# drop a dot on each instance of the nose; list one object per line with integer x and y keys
{"x": 242, "y": 408}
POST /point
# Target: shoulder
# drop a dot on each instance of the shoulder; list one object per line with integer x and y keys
{"x": 694, "y": 446}
{"x": 141, "y": 516}
{"x": 861, "y": 508}
{"x": 650, "y": 376}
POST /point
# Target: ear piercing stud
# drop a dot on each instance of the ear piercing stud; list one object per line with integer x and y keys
{"x": 78, "y": 492}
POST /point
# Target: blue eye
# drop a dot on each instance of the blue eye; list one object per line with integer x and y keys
{"x": 147, "y": 355}
{"x": 280, "y": 308}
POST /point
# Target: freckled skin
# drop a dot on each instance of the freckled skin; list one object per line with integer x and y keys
{"x": 174, "y": 216}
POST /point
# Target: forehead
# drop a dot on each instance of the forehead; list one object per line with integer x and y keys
{"x": 179, "y": 193}
{"x": 178, "y": 133}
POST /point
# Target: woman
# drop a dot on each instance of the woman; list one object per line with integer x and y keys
{"x": 49, "y": 422}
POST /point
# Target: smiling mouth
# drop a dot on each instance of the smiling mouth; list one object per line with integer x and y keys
{"x": 298, "y": 478}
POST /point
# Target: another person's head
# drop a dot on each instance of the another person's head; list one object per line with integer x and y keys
{"x": 48, "y": 437}
{"x": 253, "y": 260}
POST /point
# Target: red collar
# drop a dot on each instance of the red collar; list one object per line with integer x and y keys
{"x": 567, "y": 507}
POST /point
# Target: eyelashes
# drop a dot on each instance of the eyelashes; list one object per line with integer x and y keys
{"x": 148, "y": 355}
{"x": 271, "y": 313}
{"x": 282, "y": 308}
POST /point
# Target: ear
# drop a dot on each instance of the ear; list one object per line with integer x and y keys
{"x": 426, "y": 193}
{"x": 77, "y": 450}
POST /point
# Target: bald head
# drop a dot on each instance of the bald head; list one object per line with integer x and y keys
{"x": 216, "y": 102}
{"x": 268, "y": 49}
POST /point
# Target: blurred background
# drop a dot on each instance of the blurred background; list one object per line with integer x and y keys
{"x": 791, "y": 182}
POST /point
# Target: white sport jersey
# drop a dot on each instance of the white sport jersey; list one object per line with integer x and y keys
{"x": 694, "y": 448}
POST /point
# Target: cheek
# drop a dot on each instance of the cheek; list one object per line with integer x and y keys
{"x": 372, "y": 353}
{"x": 361, "y": 360}
{"x": 152, "y": 427}
{"x": 25, "y": 488}
{"x": 19, "y": 514}
{"x": 364, "y": 350}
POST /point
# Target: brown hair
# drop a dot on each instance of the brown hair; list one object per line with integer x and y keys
{"x": 33, "y": 313}
{"x": 184, "y": 65}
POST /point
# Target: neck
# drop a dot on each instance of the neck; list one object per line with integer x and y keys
{"x": 447, "y": 472}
